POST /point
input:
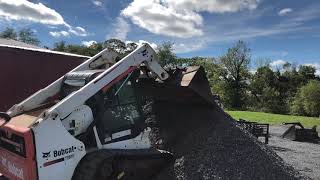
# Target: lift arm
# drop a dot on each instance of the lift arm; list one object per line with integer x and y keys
{"x": 144, "y": 54}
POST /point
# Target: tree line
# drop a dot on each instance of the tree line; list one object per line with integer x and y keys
{"x": 286, "y": 90}
{"x": 289, "y": 89}
{"x": 25, "y": 35}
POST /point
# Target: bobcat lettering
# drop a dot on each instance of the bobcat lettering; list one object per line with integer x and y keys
{"x": 62, "y": 152}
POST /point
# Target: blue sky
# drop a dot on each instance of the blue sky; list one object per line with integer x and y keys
{"x": 286, "y": 30}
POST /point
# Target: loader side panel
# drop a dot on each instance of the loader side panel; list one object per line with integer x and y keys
{"x": 58, "y": 152}
{"x": 17, "y": 153}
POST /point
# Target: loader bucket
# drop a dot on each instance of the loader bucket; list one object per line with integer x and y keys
{"x": 188, "y": 85}
{"x": 299, "y": 133}
{"x": 290, "y": 133}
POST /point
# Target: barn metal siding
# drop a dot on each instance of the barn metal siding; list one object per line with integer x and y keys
{"x": 23, "y": 72}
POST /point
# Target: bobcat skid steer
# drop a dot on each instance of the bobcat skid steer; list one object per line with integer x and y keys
{"x": 89, "y": 123}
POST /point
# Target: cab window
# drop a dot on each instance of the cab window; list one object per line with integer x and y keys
{"x": 122, "y": 110}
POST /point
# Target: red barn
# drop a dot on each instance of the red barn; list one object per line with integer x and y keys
{"x": 24, "y": 69}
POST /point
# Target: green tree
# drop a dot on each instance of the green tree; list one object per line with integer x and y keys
{"x": 60, "y": 46}
{"x": 296, "y": 106}
{"x": 236, "y": 64}
{"x": 116, "y": 45}
{"x": 95, "y": 48}
{"x": 120, "y": 47}
{"x": 307, "y": 99}
{"x": 307, "y": 73}
{"x": 166, "y": 56}
{"x": 131, "y": 46}
{"x": 9, "y": 33}
{"x": 77, "y": 49}
{"x": 265, "y": 95}
{"x": 290, "y": 81}
{"x": 26, "y": 35}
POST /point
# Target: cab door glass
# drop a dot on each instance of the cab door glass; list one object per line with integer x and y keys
{"x": 121, "y": 105}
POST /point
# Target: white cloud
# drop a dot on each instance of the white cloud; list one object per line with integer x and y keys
{"x": 284, "y": 11}
{"x": 25, "y": 10}
{"x": 158, "y": 19}
{"x": 37, "y": 13}
{"x": 88, "y": 43}
{"x": 188, "y": 47}
{"x": 277, "y": 64}
{"x": 97, "y": 3}
{"x": 213, "y": 6}
{"x": 57, "y": 34}
{"x": 120, "y": 29}
{"x": 78, "y": 31}
{"x": 182, "y": 47}
{"x": 179, "y": 18}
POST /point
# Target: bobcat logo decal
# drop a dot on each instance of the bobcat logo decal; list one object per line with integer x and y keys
{"x": 46, "y": 154}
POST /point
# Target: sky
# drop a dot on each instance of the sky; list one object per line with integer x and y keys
{"x": 281, "y": 31}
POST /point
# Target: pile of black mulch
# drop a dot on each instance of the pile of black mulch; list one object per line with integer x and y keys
{"x": 207, "y": 144}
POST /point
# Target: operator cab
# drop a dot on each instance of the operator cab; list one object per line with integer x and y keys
{"x": 116, "y": 111}
{"x": 122, "y": 114}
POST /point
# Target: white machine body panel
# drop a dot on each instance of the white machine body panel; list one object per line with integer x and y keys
{"x": 79, "y": 120}
{"x": 58, "y": 153}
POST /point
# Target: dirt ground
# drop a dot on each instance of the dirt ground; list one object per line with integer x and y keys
{"x": 303, "y": 156}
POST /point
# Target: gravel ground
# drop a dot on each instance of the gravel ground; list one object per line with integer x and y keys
{"x": 208, "y": 145}
{"x": 303, "y": 156}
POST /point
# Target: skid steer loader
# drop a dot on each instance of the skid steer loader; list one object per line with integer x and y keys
{"x": 89, "y": 123}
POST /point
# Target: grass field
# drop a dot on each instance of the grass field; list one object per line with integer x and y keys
{"x": 274, "y": 118}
